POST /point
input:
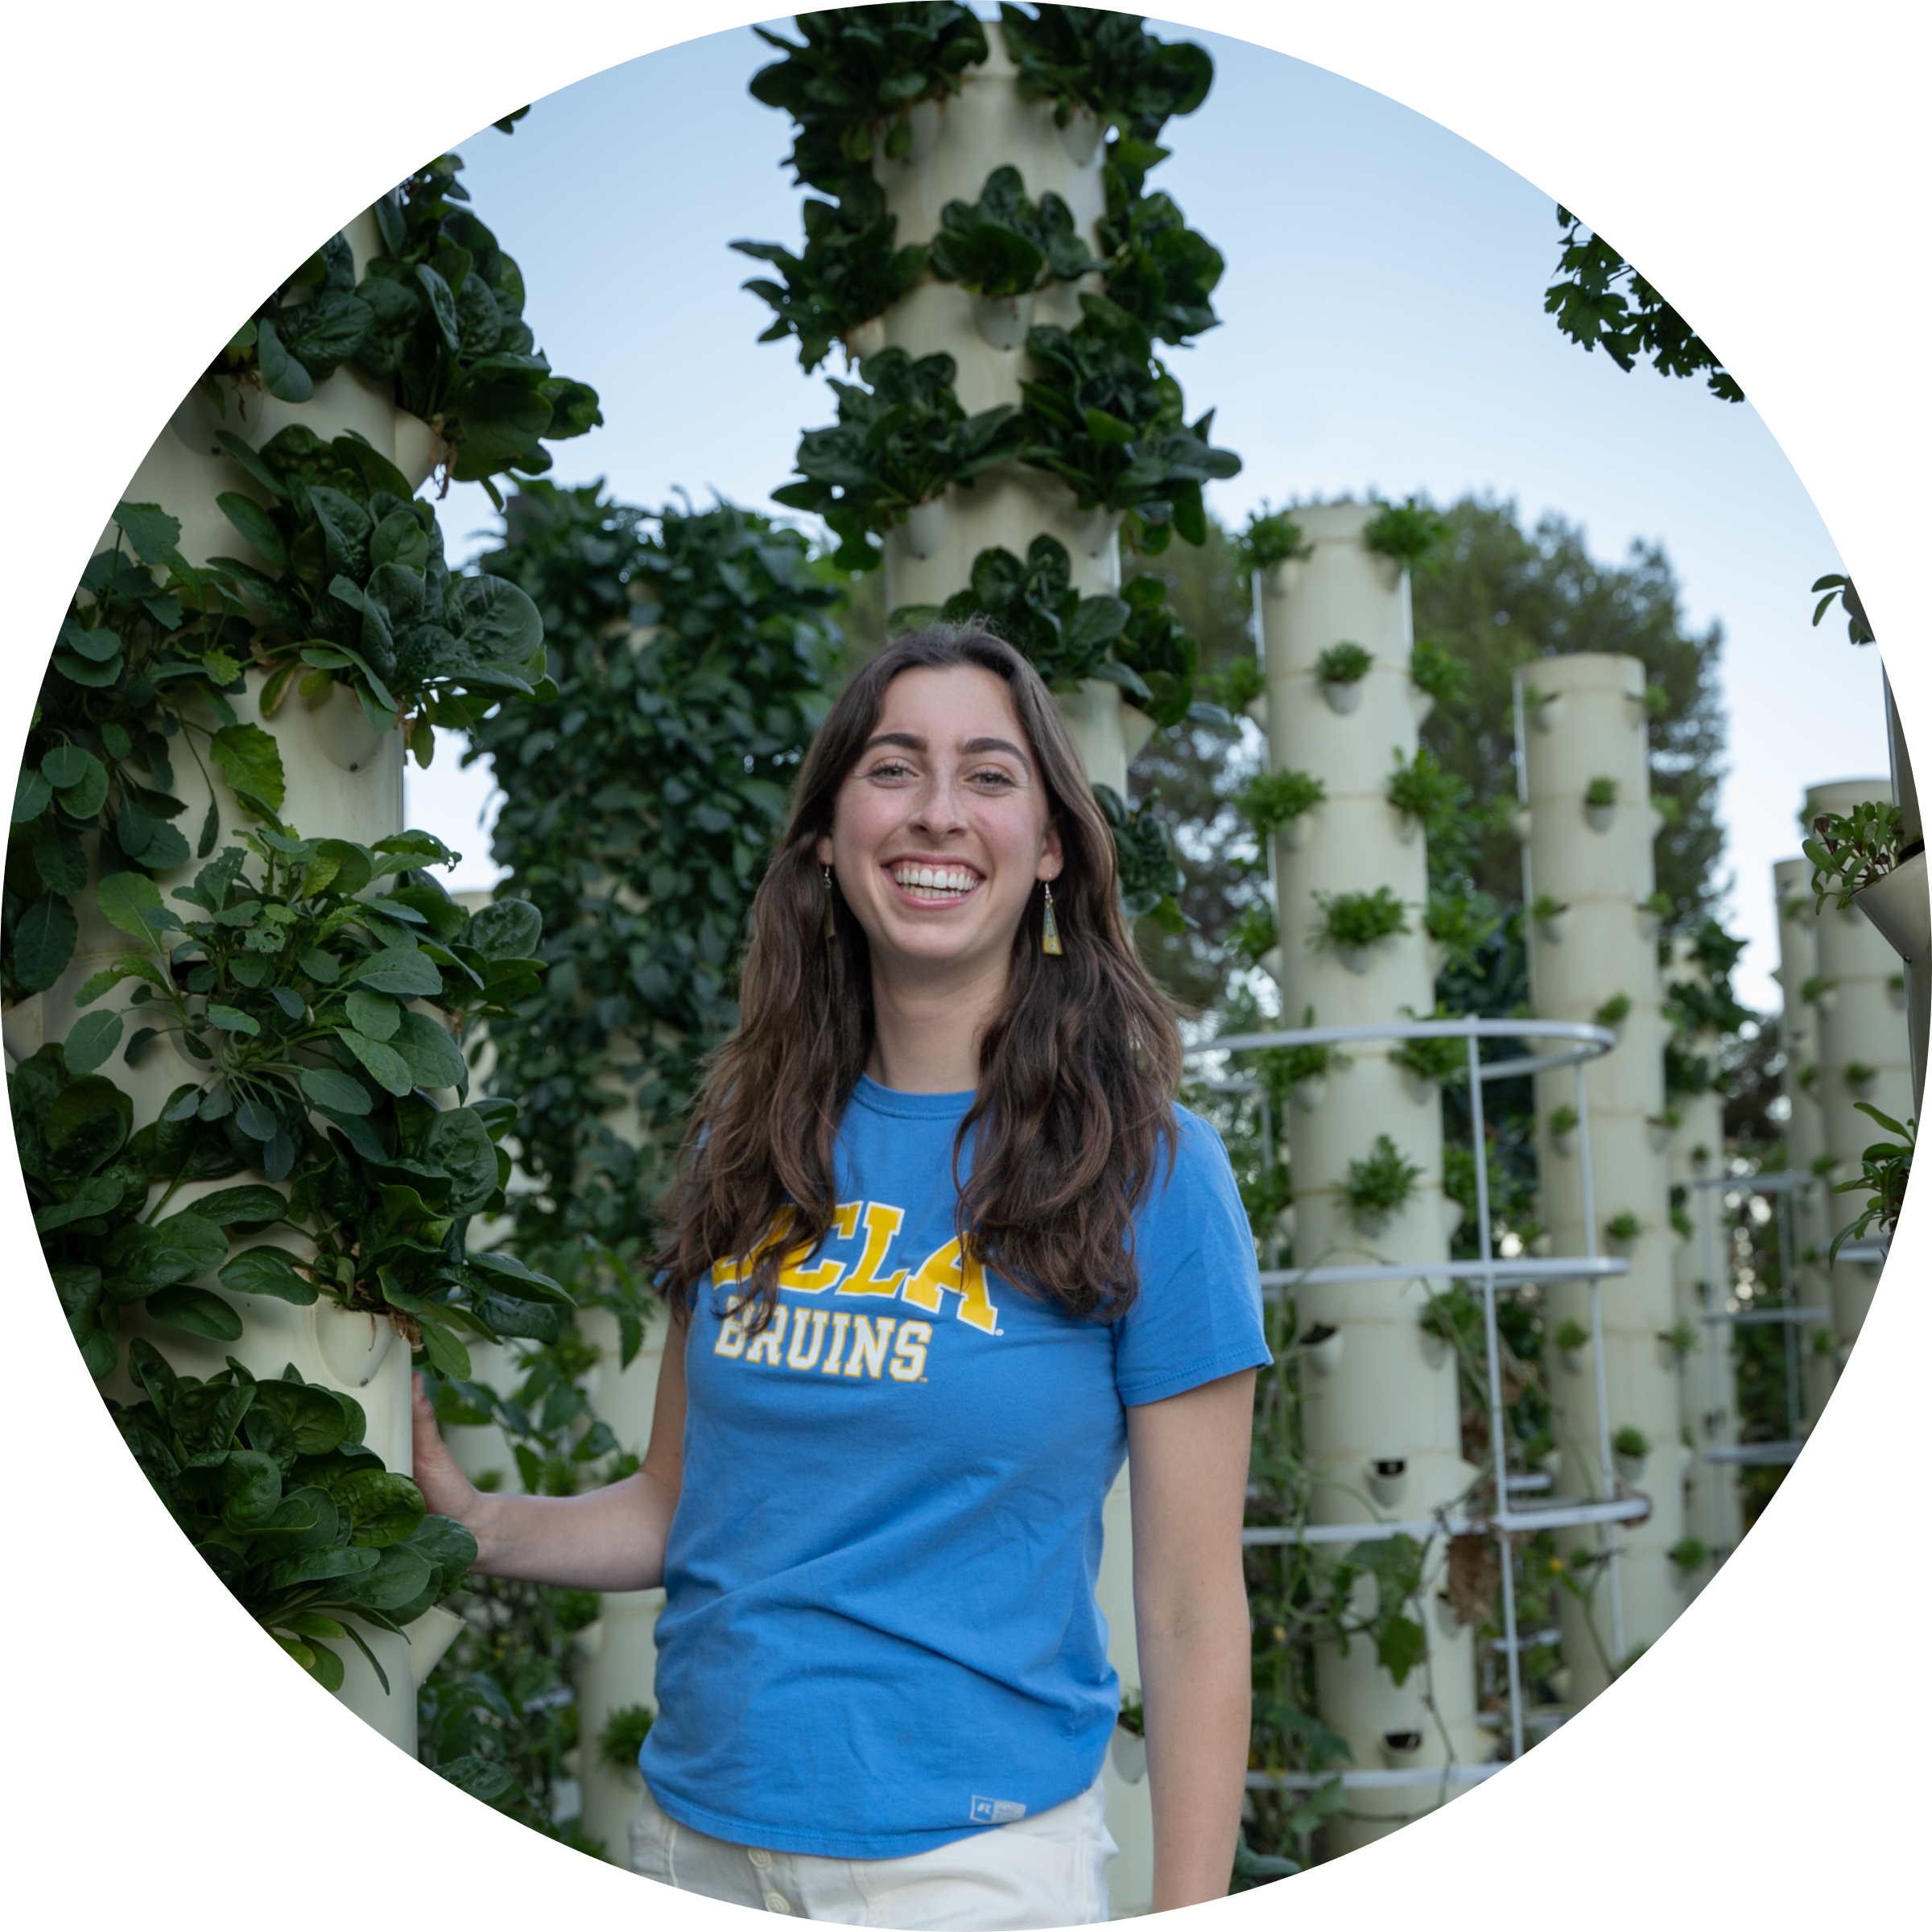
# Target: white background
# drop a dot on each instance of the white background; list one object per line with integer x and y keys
{"x": 1761, "y": 1765}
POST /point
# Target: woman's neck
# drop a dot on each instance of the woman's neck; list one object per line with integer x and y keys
{"x": 925, "y": 1037}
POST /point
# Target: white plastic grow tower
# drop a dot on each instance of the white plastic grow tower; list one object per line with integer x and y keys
{"x": 1707, "y": 1374}
{"x": 1380, "y": 1413}
{"x": 956, "y": 143}
{"x": 344, "y": 780}
{"x": 1809, "y": 1223}
{"x": 1582, "y": 717}
{"x": 1861, "y": 1029}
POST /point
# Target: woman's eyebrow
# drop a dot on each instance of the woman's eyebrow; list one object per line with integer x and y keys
{"x": 906, "y": 739}
{"x": 974, "y": 748}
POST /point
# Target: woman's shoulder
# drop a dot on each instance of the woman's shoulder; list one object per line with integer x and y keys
{"x": 1192, "y": 1168}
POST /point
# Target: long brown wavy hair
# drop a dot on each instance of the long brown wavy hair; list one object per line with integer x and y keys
{"x": 1078, "y": 1069}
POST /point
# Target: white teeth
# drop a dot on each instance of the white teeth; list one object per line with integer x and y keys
{"x": 935, "y": 879}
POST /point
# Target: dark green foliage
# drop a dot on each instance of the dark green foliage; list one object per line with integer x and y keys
{"x": 1434, "y": 799}
{"x": 273, "y": 1485}
{"x": 1598, "y": 297}
{"x": 623, "y": 1737}
{"x": 301, "y": 998}
{"x": 1360, "y": 918}
{"x": 1378, "y": 1184}
{"x": 1150, "y": 877}
{"x": 850, "y": 271}
{"x": 1843, "y": 591}
{"x": 1003, "y": 245}
{"x": 901, "y": 442}
{"x": 1105, "y": 417}
{"x": 1271, "y": 538}
{"x": 1884, "y": 1172}
{"x": 853, "y": 77}
{"x": 1850, "y": 850}
{"x": 1160, "y": 270}
{"x": 1109, "y": 63}
{"x": 1275, "y": 798}
{"x": 691, "y": 652}
{"x": 1495, "y": 597}
{"x": 1440, "y": 672}
{"x": 439, "y": 315}
{"x": 1406, "y": 531}
{"x": 1344, "y": 663}
{"x": 356, "y": 593}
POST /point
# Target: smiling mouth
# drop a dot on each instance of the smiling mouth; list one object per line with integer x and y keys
{"x": 936, "y": 885}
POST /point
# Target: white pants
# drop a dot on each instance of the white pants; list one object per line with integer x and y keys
{"x": 1036, "y": 1872}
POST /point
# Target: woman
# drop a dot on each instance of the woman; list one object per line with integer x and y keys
{"x": 943, "y": 1249}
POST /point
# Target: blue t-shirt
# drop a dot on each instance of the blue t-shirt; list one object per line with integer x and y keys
{"x": 880, "y": 1633}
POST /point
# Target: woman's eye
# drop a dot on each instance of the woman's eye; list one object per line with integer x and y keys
{"x": 993, "y": 778}
{"x": 892, "y": 768}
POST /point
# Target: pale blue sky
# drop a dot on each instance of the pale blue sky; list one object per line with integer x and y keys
{"x": 1382, "y": 328}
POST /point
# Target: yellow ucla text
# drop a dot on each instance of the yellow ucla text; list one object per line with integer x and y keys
{"x": 873, "y": 1228}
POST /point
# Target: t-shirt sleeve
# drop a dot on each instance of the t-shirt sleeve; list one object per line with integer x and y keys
{"x": 1198, "y": 1315}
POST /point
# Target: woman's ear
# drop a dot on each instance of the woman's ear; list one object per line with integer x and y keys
{"x": 1052, "y": 859}
{"x": 823, "y": 850}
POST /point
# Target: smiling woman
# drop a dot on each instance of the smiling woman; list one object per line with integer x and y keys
{"x": 944, "y": 1253}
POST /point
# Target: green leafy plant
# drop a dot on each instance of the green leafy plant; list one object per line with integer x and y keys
{"x": 851, "y": 270}
{"x": 1440, "y": 1061}
{"x": 693, "y": 653}
{"x": 901, "y": 442}
{"x": 1004, "y": 244}
{"x": 1843, "y": 591}
{"x": 1859, "y": 1073}
{"x": 1406, "y": 531}
{"x": 1236, "y": 685}
{"x": 1358, "y": 919}
{"x": 1033, "y": 606}
{"x": 1625, "y": 1227}
{"x": 273, "y": 1485}
{"x": 1379, "y": 1185}
{"x": 1105, "y": 417}
{"x": 1272, "y": 799}
{"x": 1253, "y": 935}
{"x": 1571, "y": 1334}
{"x": 1460, "y": 919}
{"x": 145, "y": 669}
{"x": 1599, "y": 298}
{"x": 1563, "y": 1119}
{"x": 439, "y": 315}
{"x": 1850, "y": 850}
{"x": 623, "y": 1737}
{"x": 302, "y": 1000}
{"x": 1160, "y": 270}
{"x": 1613, "y": 1012}
{"x": 1688, "y": 1554}
{"x": 1423, "y": 791}
{"x": 1107, "y": 63}
{"x": 1344, "y": 663}
{"x": 1600, "y": 792}
{"x": 1546, "y": 907}
{"x": 1149, "y": 873}
{"x": 1814, "y": 988}
{"x": 1660, "y": 905}
{"x": 1885, "y": 1169}
{"x": 1630, "y": 1442}
{"x": 1270, "y": 539}
{"x": 1133, "y": 1716}
{"x": 1435, "y": 668}
{"x": 850, "y": 80}
{"x": 1681, "y": 1340}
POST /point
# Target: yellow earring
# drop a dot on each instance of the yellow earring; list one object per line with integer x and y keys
{"x": 1050, "y": 931}
{"x": 831, "y": 923}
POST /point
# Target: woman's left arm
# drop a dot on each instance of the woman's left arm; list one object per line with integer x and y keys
{"x": 1188, "y": 1465}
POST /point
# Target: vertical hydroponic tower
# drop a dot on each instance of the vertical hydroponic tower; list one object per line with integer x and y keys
{"x": 1589, "y": 874}
{"x": 1863, "y": 1053}
{"x": 1700, "y": 1349}
{"x": 1381, "y": 1422}
{"x": 1809, "y": 1221}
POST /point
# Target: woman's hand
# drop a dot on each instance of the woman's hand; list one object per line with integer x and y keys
{"x": 1189, "y": 1475}
{"x": 611, "y": 1538}
{"x": 445, "y": 1488}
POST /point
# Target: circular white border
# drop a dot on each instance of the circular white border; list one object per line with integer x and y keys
{"x": 1763, "y": 164}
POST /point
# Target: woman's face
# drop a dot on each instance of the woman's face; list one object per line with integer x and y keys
{"x": 941, "y": 833}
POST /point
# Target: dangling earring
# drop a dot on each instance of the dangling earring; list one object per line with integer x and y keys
{"x": 1050, "y": 931}
{"x": 831, "y": 923}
